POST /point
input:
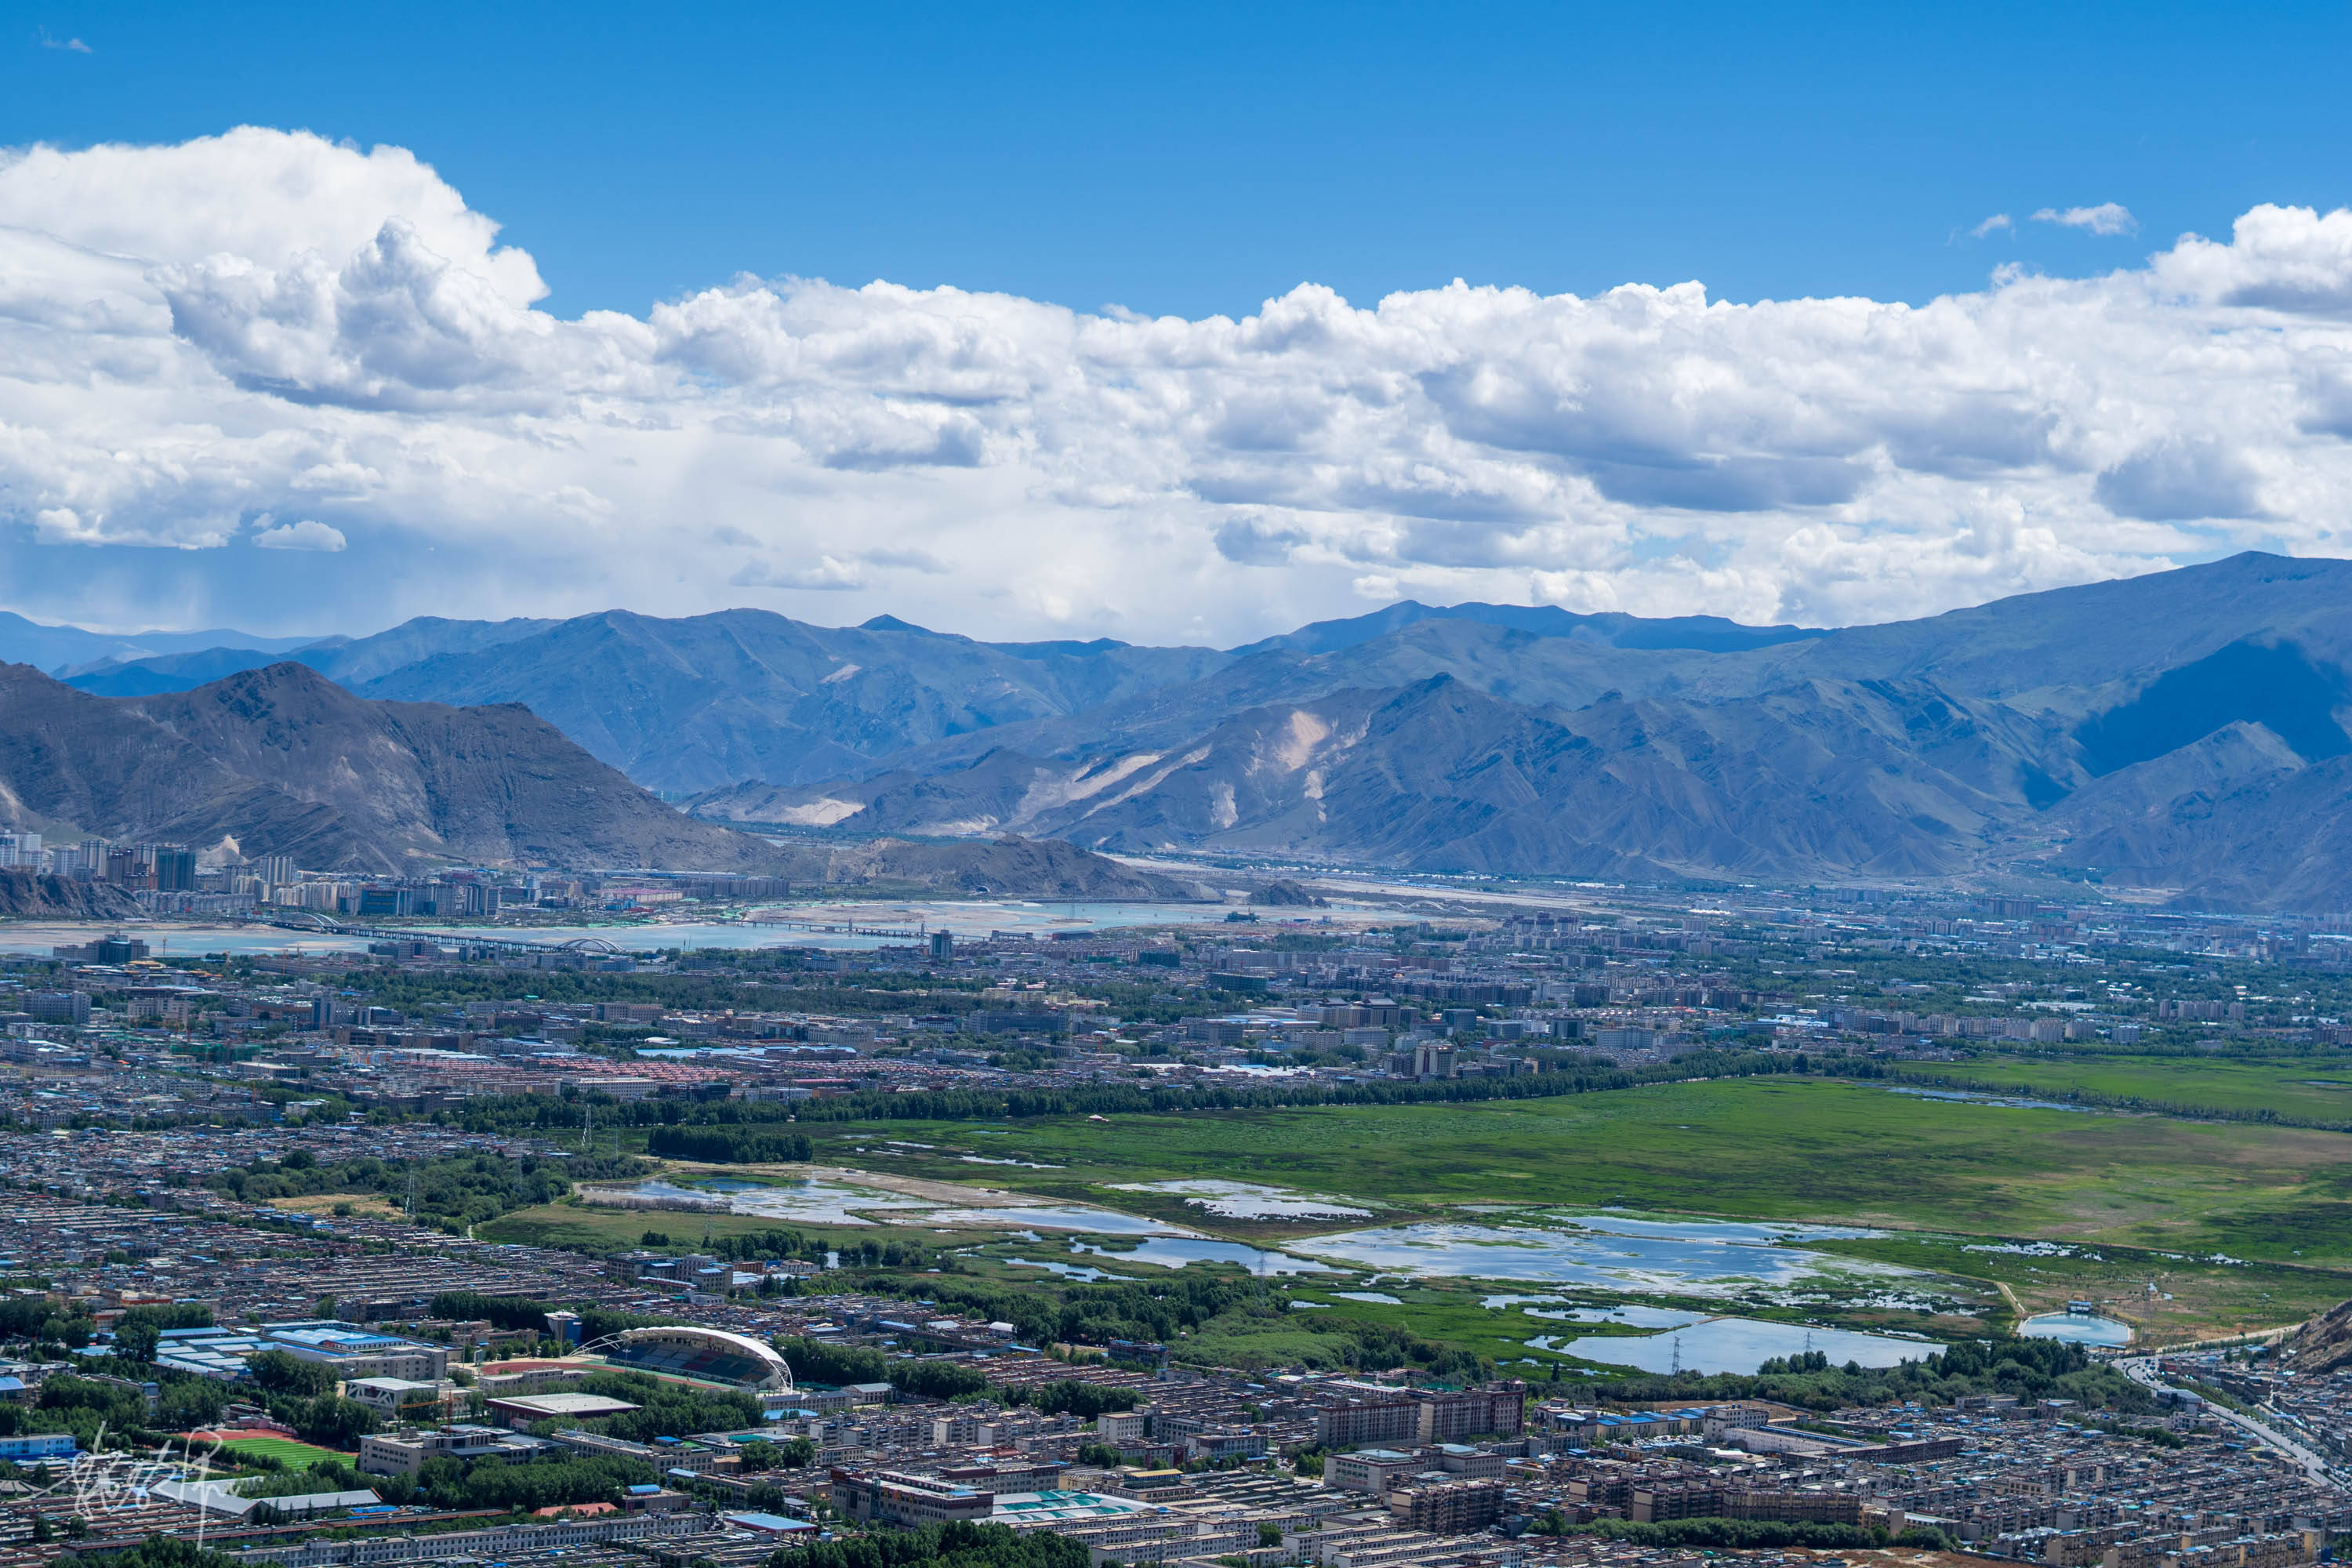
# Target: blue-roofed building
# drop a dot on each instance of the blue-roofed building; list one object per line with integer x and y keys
{"x": 350, "y": 1351}
{"x": 347, "y": 1349}
{"x": 216, "y": 1353}
{"x": 773, "y": 1524}
{"x": 33, "y": 1448}
{"x": 1046, "y": 1509}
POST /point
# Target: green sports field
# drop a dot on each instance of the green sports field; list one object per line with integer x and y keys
{"x": 285, "y": 1450}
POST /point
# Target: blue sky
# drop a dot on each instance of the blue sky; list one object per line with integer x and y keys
{"x": 1195, "y": 159}
{"x": 529, "y": 310}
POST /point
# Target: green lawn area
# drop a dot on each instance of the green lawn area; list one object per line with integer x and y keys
{"x": 294, "y": 1455}
{"x": 2316, "y": 1089}
{"x": 1782, "y": 1148}
{"x": 2181, "y": 1225}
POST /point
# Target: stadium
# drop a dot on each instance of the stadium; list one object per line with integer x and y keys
{"x": 696, "y": 1355}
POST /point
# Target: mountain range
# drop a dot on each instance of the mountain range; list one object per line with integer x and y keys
{"x": 282, "y": 760}
{"x": 2182, "y": 733}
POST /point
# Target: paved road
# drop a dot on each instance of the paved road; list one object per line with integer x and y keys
{"x": 2142, "y": 1370}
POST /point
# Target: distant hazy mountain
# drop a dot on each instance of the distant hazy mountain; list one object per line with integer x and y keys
{"x": 54, "y": 647}
{"x": 1710, "y": 634}
{"x": 283, "y": 760}
{"x": 2184, "y": 732}
{"x": 711, "y": 700}
{"x": 163, "y": 672}
{"x": 347, "y": 661}
{"x": 353, "y": 661}
{"x": 1892, "y": 781}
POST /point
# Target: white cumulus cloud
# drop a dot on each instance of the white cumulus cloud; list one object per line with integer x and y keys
{"x": 2108, "y": 218}
{"x": 266, "y": 322}
{"x": 306, "y": 535}
{"x": 823, "y": 575}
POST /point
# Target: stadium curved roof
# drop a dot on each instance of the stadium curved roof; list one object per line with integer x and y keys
{"x": 685, "y": 1349}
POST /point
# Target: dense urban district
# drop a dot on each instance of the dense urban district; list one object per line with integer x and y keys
{"x": 1472, "y": 1223}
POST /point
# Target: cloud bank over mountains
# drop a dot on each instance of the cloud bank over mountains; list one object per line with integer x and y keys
{"x": 199, "y": 341}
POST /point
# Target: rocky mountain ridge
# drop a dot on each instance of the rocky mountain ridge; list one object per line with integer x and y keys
{"x": 2182, "y": 733}
{"x": 282, "y": 760}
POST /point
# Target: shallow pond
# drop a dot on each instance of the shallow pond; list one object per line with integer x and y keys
{"x": 1078, "y": 1272}
{"x": 1632, "y": 1317}
{"x": 2076, "y": 1328}
{"x": 1100, "y": 1222}
{"x": 1740, "y": 1232}
{"x": 1664, "y": 1256}
{"x": 822, "y": 1202}
{"x": 1246, "y": 1200}
{"x": 1172, "y": 1253}
{"x": 2014, "y": 1102}
{"x": 1740, "y": 1345}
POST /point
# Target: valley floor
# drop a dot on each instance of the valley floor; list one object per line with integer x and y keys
{"x": 2184, "y": 1228}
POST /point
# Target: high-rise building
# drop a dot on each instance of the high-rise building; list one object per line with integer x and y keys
{"x": 175, "y": 870}
{"x": 58, "y": 1006}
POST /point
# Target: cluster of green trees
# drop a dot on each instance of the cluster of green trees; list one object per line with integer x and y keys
{"x": 2156, "y": 1435}
{"x": 815, "y": 1360}
{"x": 886, "y": 1252}
{"x": 758, "y": 1244}
{"x": 1375, "y": 1345}
{"x": 2029, "y": 1369}
{"x": 548, "y": 1483}
{"x": 166, "y": 1552}
{"x": 139, "y": 1332}
{"x": 729, "y": 1145}
{"x": 510, "y": 1313}
{"x": 956, "y": 1545}
{"x": 792, "y": 1454}
{"x": 668, "y": 1409}
{"x": 412, "y": 992}
{"x": 730, "y": 1131}
{"x": 1162, "y": 1309}
{"x": 302, "y": 1395}
{"x": 1749, "y": 1534}
{"x": 296, "y": 1391}
{"x": 85, "y": 1407}
{"x": 457, "y": 1191}
{"x": 2178, "y": 1110}
{"x": 1071, "y": 1397}
{"x": 31, "y": 1318}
